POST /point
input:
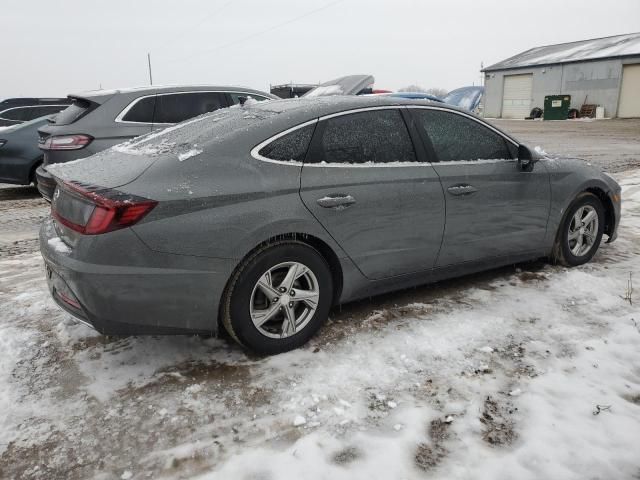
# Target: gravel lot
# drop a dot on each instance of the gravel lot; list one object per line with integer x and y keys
{"x": 524, "y": 372}
{"x": 613, "y": 145}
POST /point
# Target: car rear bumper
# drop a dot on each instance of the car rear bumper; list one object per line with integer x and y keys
{"x": 180, "y": 295}
{"x": 46, "y": 183}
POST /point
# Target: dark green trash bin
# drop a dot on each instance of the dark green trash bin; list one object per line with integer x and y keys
{"x": 556, "y": 107}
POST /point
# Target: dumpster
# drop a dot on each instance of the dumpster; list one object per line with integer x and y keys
{"x": 556, "y": 107}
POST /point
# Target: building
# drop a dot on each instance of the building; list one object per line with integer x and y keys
{"x": 602, "y": 71}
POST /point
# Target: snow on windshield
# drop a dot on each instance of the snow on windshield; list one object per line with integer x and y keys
{"x": 183, "y": 138}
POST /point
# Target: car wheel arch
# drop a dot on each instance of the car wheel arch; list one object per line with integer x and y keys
{"x": 313, "y": 241}
{"x": 609, "y": 211}
{"x": 32, "y": 171}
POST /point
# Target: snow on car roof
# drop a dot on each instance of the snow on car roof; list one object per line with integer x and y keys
{"x": 607, "y": 47}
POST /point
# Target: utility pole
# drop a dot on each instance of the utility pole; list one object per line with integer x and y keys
{"x": 149, "y": 62}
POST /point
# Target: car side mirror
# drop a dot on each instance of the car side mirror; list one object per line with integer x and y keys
{"x": 526, "y": 158}
{"x": 242, "y": 100}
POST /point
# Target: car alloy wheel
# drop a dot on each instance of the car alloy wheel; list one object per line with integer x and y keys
{"x": 284, "y": 299}
{"x": 583, "y": 230}
{"x": 278, "y": 297}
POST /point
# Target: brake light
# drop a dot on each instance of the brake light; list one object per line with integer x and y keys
{"x": 66, "y": 142}
{"x": 93, "y": 210}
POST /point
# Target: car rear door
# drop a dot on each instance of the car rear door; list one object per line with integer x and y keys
{"x": 494, "y": 207}
{"x": 374, "y": 192}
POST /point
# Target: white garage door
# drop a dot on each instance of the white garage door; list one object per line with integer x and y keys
{"x": 630, "y": 91}
{"x": 516, "y": 97}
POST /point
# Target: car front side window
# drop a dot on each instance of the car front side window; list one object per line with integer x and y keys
{"x": 369, "y": 137}
{"x": 457, "y": 137}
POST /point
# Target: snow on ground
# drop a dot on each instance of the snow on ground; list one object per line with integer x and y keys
{"x": 529, "y": 372}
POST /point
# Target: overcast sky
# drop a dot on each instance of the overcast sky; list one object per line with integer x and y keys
{"x": 56, "y": 47}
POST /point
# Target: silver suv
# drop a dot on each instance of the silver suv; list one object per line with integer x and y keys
{"x": 100, "y": 119}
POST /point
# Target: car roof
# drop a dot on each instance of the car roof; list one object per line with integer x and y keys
{"x": 97, "y": 95}
{"x": 320, "y": 106}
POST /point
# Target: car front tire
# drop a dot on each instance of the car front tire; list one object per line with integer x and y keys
{"x": 278, "y": 297}
{"x": 581, "y": 231}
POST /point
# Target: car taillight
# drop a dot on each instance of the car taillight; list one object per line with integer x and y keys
{"x": 92, "y": 210}
{"x": 66, "y": 142}
{"x": 2, "y": 142}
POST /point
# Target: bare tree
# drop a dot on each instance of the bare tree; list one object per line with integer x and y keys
{"x": 438, "y": 92}
{"x": 412, "y": 88}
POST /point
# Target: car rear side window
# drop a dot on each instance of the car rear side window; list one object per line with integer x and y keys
{"x": 175, "y": 108}
{"x": 377, "y": 136}
{"x": 73, "y": 112}
{"x": 290, "y": 147}
{"x": 38, "y": 112}
{"x": 141, "y": 111}
{"x": 457, "y": 137}
{"x": 18, "y": 114}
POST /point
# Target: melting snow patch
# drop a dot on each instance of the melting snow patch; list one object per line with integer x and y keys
{"x": 58, "y": 245}
{"x": 539, "y": 150}
{"x": 188, "y": 154}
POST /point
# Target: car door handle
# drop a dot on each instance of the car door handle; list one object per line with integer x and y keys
{"x": 462, "y": 189}
{"x": 339, "y": 201}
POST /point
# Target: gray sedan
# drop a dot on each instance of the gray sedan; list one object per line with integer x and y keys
{"x": 260, "y": 218}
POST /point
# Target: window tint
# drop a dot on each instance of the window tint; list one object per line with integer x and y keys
{"x": 456, "y": 137}
{"x": 235, "y": 97}
{"x": 290, "y": 147}
{"x": 378, "y": 136}
{"x": 77, "y": 109}
{"x": 45, "y": 110}
{"x": 20, "y": 114}
{"x": 142, "y": 111}
{"x": 174, "y": 108}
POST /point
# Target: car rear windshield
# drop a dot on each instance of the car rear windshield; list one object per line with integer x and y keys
{"x": 77, "y": 109}
{"x": 215, "y": 127}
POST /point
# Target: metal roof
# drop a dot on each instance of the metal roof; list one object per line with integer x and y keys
{"x": 597, "y": 48}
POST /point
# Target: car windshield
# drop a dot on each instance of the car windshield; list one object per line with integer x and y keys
{"x": 465, "y": 97}
{"x": 349, "y": 85}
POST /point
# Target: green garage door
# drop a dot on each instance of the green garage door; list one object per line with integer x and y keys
{"x": 516, "y": 97}
{"x": 629, "y": 105}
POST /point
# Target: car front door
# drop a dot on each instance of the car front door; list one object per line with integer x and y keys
{"x": 373, "y": 191}
{"x": 494, "y": 207}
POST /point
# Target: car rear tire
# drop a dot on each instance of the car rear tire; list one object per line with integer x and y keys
{"x": 580, "y": 234}
{"x": 278, "y": 298}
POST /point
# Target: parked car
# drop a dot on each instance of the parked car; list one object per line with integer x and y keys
{"x": 14, "y": 111}
{"x": 347, "y": 85}
{"x": 468, "y": 98}
{"x": 416, "y": 96}
{"x": 100, "y": 119}
{"x": 19, "y": 152}
{"x": 261, "y": 218}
